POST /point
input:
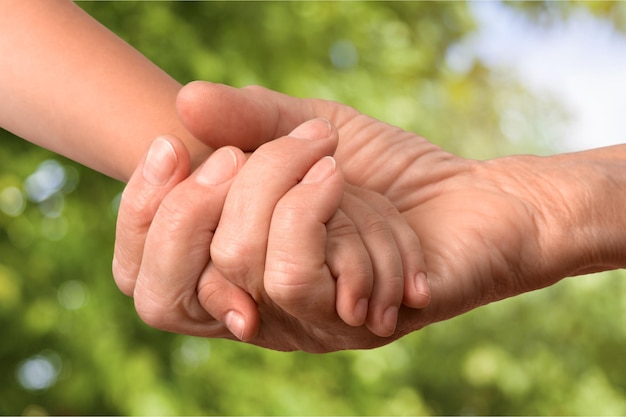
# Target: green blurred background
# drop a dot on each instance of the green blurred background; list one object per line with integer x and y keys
{"x": 72, "y": 344}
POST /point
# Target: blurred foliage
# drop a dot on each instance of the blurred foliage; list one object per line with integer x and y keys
{"x": 72, "y": 344}
{"x": 549, "y": 12}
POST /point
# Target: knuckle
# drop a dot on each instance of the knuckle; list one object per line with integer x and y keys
{"x": 151, "y": 312}
{"x": 174, "y": 219}
{"x": 306, "y": 295}
{"x": 135, "y": 214}
{"x": 149, "y": 304}
{"x": 233, "y": 258}
{"x": 388, "y": 210}
{"x": 272, "y": 154}
{"x": 169, "y": 311}
{"x": 176, "y": 215}
{"x": 374, "y": 223}
{"x": 287, "y": 214}
{"x": 207, "y": 294}
{"x": 136, "y": 203}
{"x": 123, "y": 279}
{"x": 288, "y": 281}
{"x": 357, "y": 270}
{"x": 340, "y": 226}
{"x": 287, "y": 289}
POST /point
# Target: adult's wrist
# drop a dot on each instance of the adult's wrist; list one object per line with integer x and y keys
{"x": 581, "y": 220}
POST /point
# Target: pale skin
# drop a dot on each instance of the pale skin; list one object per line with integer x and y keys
{"x": 103, "y": 106}
{"x": 489, "y": 229}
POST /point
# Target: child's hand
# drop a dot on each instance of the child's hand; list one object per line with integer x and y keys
{"x": 303, "y": 273}
{"x": 176, "y": 249}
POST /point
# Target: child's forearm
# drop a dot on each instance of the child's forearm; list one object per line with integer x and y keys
{"x": 70, "y": 85}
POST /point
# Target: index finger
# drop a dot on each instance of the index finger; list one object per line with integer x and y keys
{"x": 165, "y": 165}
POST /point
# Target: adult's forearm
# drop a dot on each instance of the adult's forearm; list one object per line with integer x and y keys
{"x": 70, "y": 85}
{"x": 598, "y": 187}
{"x": 581, "y": 220}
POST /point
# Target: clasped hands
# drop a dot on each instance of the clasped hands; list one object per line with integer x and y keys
{"x": 340, "y": 235}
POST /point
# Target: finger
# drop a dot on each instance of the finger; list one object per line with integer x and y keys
{"x": 350, "y": 264}
{"x": 219, "y": 115}
{"x": 165, "y": 165}
{"x": 240, "y": 243}
{"x": 297, "y": 276}
{"x": 416, "y": 288}
{"x": 177, "y": 253}
{"x": 228, "y": 303}
{"x": 386, "y": 261}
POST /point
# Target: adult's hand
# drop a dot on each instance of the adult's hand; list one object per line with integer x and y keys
{"x": 489, "y": 229}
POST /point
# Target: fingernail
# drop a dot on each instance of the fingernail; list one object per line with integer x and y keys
{"x": 422, "y": 287}
{"x": 160, "y": 162}
{"x": 360, "y": 310}
{"x": 313, "y": 129}
{"x": 322, "y": 169}
{"x": 219, "y": 168}
{"x": 235, "y": 322}
{"x": 390, "y": 319}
